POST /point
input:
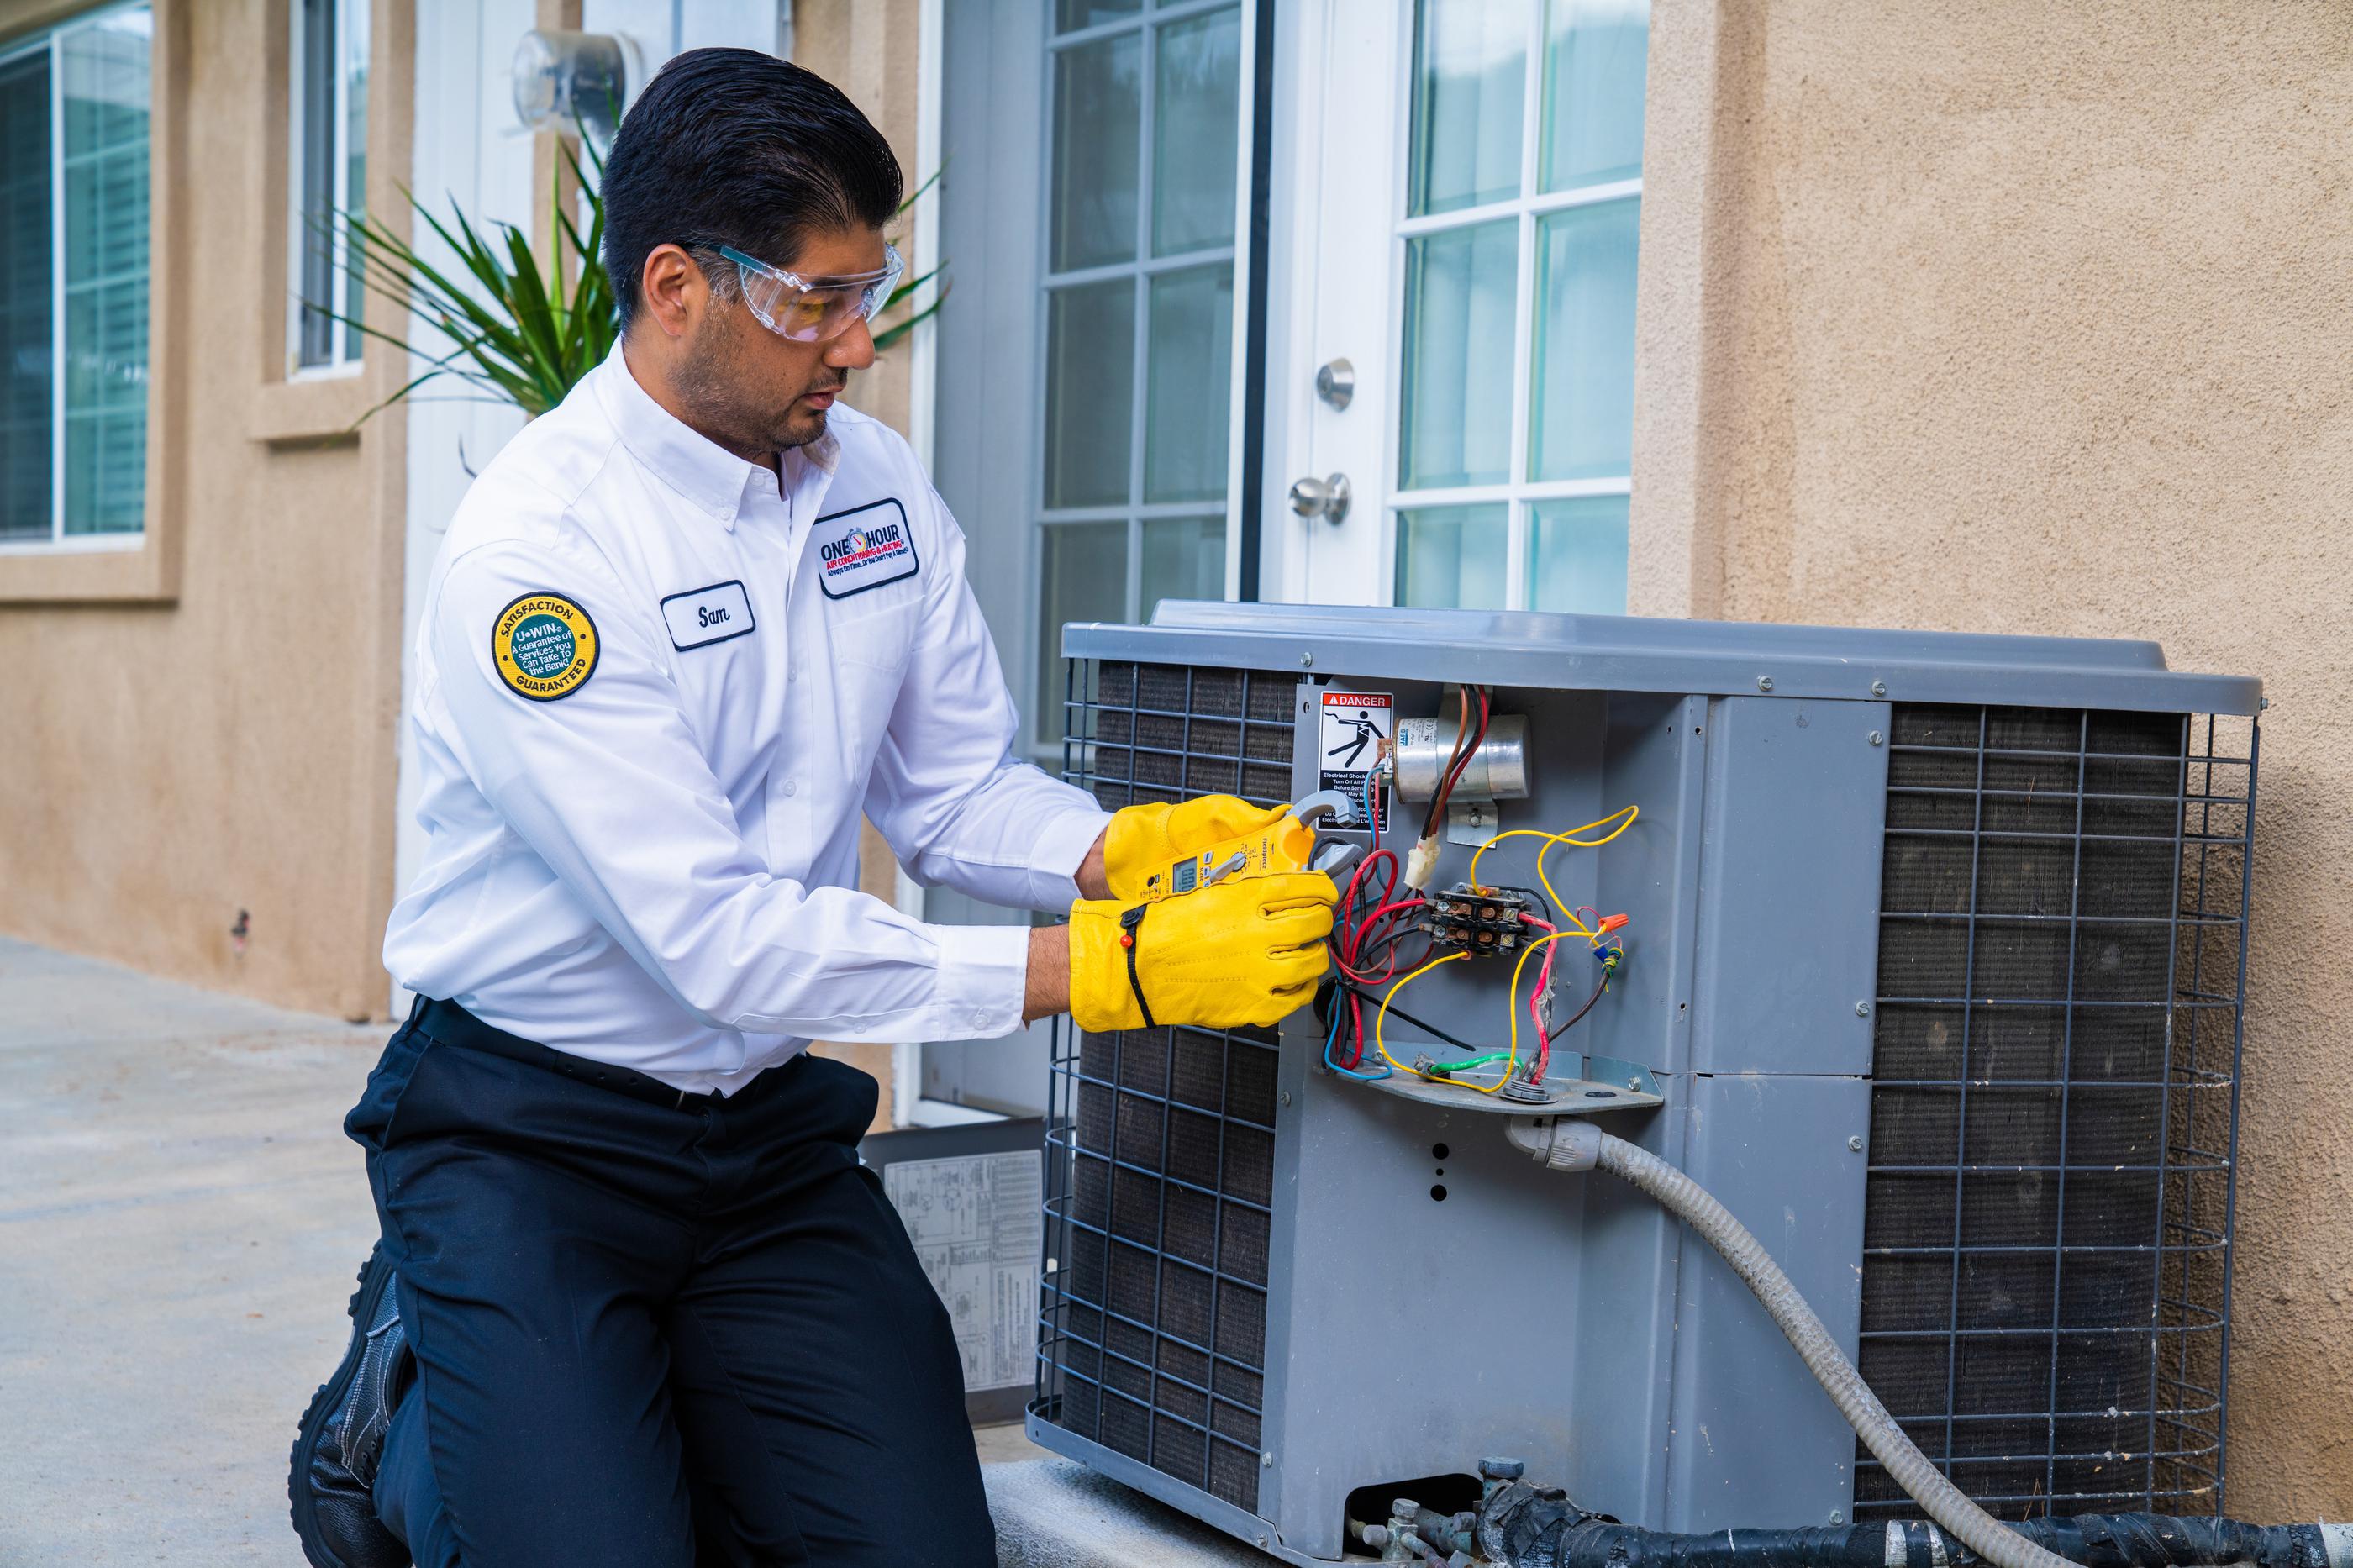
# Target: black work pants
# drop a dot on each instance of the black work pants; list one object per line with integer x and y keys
{"x": 654, "y": 1335}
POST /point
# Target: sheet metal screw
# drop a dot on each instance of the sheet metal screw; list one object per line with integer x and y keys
{"x": 1306, "y": 661}
{"x": 1855, "y": 1143}
{"x": 1286, "y": 1099}
{"x": 1838, "y": 1516}
{"x": 1266, "y": 1461}
{"x": 1879, "y": 689}
{"x": 1878, "y": 739}
{"x": 1862, "y": 1009}
{"x": 1764, "y": 683}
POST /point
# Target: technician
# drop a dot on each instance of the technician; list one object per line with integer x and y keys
{"x": 635, "y": 1303}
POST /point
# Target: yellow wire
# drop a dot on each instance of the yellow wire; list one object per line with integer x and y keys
{"x": 1624, "y": 820}
{"x": 1382, "y": 1016}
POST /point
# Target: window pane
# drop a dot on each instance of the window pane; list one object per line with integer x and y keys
{"x": 104, "y": 72}
{"x": 1458, "y": 356}
{"x": 355, "y": 102}
{"x": 1470, "y": 73}
{"x": 1184, "y": 557}
{"x": 1098, "y": 109}
{"x": 27, "y": 351}
{"x": 1451, "y": 557}
{"x": 1581, "y": 422}
{"x": 1069, "y": 16}
{"x": 1595, "y": 52}
{"x": 315, "y": 155}
{"x": 1195, "y": 101}
{"x": 1090, "y": 391}
{"x": 1191, "y": 378}
{"x": 1083, "y": 576}
{"x": 1577, "y": 556}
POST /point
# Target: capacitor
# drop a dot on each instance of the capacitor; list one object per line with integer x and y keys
{"x": 1498, "y": 770}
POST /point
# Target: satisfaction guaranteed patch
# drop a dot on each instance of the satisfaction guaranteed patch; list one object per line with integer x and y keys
{"x": 545, "y": 647}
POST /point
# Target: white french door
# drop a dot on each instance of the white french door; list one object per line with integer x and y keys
{"x": 1469, "y": 185}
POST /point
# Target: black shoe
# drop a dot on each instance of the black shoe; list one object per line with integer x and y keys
{"x": 341, "y": 1441}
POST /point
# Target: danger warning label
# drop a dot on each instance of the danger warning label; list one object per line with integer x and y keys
{"x": 1353, "y": 729}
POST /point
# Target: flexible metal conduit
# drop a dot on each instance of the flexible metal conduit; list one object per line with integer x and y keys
{"x": 1569, "y": 1144}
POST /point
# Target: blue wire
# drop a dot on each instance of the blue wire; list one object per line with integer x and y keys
{"x": 1332, "y": 1038}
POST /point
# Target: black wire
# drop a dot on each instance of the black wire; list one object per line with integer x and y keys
{"x": 1396, "y": 1012}
{"x": 1600, "y": 986}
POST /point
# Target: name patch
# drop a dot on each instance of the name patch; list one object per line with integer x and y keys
{"x": 700, "y": 617}
{"x": 865, "y": 547}
{"x": 545, "y": 647}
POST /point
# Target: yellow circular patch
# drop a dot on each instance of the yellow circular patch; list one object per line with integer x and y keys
{"x": 545, "y": 647}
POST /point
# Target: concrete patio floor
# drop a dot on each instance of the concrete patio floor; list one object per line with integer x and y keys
{"x": 180, "y": 1220}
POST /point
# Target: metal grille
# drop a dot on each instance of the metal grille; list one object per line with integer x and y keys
{"x": 2054, "y": 1104}
{"x": 1160, "y": 1142}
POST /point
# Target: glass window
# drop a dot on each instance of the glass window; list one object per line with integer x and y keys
{"x": 1595, "y": 52}
{"x": 1513, "y": 461}
{"x": 1184, "y": 557}
{"x": 1458, "y": 297}
{"x": 328, "y": 175}
{"x": 74, "y": 293}
{"x": 29, "y": 380}
{"x": 1470, "y": 70}
{"x": 1191, "y": 383}
{"x": 1583, "y": 423}
{"x": 1140, "y": 321}
{"x": 1196, "y": 131}
{"x": 1098, "y": 111}
{"x": 1090, "y": 381}
{"x": 1451, "y": 557}
{"x": 1577, "y": 556}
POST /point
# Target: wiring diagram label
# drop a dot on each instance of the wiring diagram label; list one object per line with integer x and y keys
{"x": 1353, "y": 729}
{"x": 974, "y": 1221}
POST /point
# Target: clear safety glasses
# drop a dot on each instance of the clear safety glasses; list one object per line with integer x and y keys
{"x": 811, "y": 309}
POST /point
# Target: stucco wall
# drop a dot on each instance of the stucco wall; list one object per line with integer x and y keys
{"x": 218, "y": 738}
{"x": 2031, "y": 317}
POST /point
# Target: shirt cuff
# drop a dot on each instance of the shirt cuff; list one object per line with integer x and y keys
{"x": 1058, "y": 852}
{"x": 983, "y": 976}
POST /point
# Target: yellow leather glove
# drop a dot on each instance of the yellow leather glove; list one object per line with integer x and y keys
{"x": 1243, "y": 950}
{"x": 1145, "y": 841}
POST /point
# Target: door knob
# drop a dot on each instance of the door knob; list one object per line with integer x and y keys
{"x": 1327, "y": 499}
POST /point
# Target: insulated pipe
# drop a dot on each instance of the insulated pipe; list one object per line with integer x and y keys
{"x": 1568, "y": 1143}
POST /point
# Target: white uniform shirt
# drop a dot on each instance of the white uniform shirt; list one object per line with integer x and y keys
{"x": 655, "y": 689}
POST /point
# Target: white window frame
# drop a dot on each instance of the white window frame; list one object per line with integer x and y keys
{"x": 47, "y": 41}
{"x": 352, "y": 22}
{"x": 1529, "y": 205}
{"x": 1043, "y": 715}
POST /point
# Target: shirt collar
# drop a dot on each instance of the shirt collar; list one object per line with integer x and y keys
{"x": 697, "y": 467}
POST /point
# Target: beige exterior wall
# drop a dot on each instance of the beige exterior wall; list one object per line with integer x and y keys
{"x": 205, "y": 725}
{"x": 1978, "y": 315}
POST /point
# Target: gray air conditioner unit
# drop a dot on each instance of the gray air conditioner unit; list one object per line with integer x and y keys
{"x": 1933, "y": 974}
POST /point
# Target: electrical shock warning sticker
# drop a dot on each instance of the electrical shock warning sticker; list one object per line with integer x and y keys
{"x": 1353, "y": 729}
{"x": 545, "y": 647}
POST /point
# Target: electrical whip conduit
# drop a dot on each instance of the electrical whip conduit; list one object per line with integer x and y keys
{"x": 1568, "y": 1144}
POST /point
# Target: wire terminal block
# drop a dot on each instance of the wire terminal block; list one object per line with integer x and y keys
{"x": 1478, "y": 920}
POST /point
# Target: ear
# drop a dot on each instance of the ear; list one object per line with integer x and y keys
{"x": 672, "y": 291}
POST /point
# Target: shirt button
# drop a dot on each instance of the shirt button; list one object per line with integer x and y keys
{"x": 789, "y": 788}
{"x": 979, "y": 1019}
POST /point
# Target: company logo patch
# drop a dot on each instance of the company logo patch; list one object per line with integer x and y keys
{"x": 544, "y": 646}
{"x": 865, "y": 547}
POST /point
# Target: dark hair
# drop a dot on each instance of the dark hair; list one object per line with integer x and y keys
{"x": 735, "y": 147}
